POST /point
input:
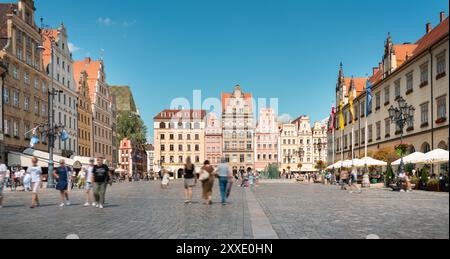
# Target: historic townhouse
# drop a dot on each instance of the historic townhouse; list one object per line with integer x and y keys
{"x": 102, "y": 109}
{"x": 132, "y": 158}
{"x": 84, "y": 119}
{"x": 417, "y": 72}
{"x": 289, "y": 148}
{"x": 213, "y": 139}
{"x": 267, "y": 137}
{"x": 26, "y": 84}
{"x": 150, "y": 150}
{"x": 179, "y": 134}
{"x": 238, "y": 129}
{"x": 65, "y": 103}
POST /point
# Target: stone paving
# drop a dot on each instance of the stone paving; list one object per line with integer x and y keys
{"x": 272, "y": 210}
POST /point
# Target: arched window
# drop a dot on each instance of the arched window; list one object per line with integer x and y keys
{"x": 443, "y": 145}
{"x": 188, "y": 125}
{"x": 180, "y": 125}
{"x": 425, "y": 148}
{"x": 162, "y": 125}
{"x": 411, "y": 149}
{"x": 196, "y": 125}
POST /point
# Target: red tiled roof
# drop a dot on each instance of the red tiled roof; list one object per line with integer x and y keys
{"x": 432, "y": 37}
{"x": 360, "y": 84}
{"x": 92, "y": 69}
{"x": 404, "y": 52}
{"x": 407, "y": 52}
{"x": 179, "y": 114}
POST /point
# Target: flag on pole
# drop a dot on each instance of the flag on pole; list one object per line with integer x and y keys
{"x": 34, "y": 139}
{"x": 341, "y": 116}
{"x": 333, "y": 117}
{"x": 352, "y": 100}
{"x": 369, "y": 98}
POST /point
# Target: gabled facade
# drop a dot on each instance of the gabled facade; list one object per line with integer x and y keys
{"x": 25, "y": 86}
{"x": 418, "y": 73}
{"x": 65, "y": 103}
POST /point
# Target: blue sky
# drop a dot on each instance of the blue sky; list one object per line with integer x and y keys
{"x": 286, "y": 49}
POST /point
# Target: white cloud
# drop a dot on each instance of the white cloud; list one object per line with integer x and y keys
{"x": 105, "y": 21}
{"x": 129, "y": 23}
{"x": 285, "y": 118}
{"x": 73, "y": 48}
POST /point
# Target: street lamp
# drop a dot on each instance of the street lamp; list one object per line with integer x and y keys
{"x": 401, "y": 116}
{"x": 320, "y": 146}
{"x": 50, "y": 129}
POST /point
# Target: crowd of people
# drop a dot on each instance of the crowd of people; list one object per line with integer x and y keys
{"x": 207, "y": 176}
{"x": 95, "y": 177}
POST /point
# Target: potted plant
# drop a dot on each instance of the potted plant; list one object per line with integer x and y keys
{"x": 389, "y": 175}
{"x": 433, "y": 185}
{"x": 424, "y": 178}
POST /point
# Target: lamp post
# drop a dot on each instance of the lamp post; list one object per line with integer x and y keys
{"x": 319, "y": 146}
{"x": 402, "y": 116}
{"x": 300, "y": 153}
{"x": 51, "y": 128}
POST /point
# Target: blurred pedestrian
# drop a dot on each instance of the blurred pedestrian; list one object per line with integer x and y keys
{"x": 89, "y": 176}
{"x": 189, "y": 180}
{"x": 225, "y": 174}
{"x": 3, "y": 171}
{"x": 102, "y": 177}
{"x": 207, "y": 178}
{"x": 36, "y": 179}
{"x": 62, "y": 175}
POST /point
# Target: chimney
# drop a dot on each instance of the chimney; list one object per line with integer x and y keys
{"x": 442, "y": 16}
{"x": 375, "y": 70}
{"x": 429, "y": 27}
{"x": 380, "y": 66}
{"x": 87, "y": 60}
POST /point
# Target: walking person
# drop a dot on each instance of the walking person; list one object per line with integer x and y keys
{"x": 224, "y": 172}
{"x": 102, "y": 176}
{"x": 189, "y": 180}
{"x": 354, "y": 188}
{"x": 36, "y": 179}
{"x": 165, "y": 179}
{"x": 27, "y": 181}
{"x": 207, "y": 178}
{"x": 3, "y": 171}
{"x": 89, "y": 176}
{"x": 62, "y": 175}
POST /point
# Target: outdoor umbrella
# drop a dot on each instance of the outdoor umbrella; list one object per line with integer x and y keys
{"x": 413, "y": 158}
{"x": 438, "y": 156}
{"x": 372, "y": 162}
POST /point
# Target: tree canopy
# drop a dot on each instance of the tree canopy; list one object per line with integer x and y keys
{"x": 131, "y": 126}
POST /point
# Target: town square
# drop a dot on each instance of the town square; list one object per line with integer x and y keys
{"x": 252, "y": 120}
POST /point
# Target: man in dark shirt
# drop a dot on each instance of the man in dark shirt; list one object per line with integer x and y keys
{"x": 102, "y": 177}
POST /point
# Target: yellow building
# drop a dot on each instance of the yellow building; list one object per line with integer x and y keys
{"x": 25, "y": 91}
{"x": 179, "y": 134}
{"x": 84, "y": 115}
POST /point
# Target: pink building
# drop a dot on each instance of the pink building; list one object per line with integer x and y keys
{"x": 132, "y": 156}
{"x": 267, "y": 136}
{"x": 213, "y": 139}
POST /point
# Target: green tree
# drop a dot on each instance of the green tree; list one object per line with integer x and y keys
{"x": 131, "y": 126}
{"x": 320, "y": 165}
{"x": 271, "y": 172}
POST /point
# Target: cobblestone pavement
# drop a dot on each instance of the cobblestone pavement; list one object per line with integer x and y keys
{"x": 283, "y": 210}
{"x": 315, "y": 211}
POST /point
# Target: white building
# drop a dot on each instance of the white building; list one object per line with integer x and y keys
{"x": 65, "y": 103}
